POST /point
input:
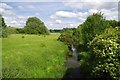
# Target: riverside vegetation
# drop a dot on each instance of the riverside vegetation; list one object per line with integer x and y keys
{"x": 33, "y": 52}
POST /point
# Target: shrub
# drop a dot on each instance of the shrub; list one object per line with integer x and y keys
{"x": 43, "y": 45}
{"x": 23, "y": 36}
{"x": 4, "y": 33}
{"x": 105, "y": 50}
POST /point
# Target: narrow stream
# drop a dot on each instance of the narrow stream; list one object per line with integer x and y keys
{"x": 72, "y": 62}
{"x": 73, "y": 66}
{"x": 75, "y": 54}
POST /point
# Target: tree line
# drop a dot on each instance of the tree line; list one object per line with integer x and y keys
{"x": 98, "y": 42}
{"x": 33, "y": 26}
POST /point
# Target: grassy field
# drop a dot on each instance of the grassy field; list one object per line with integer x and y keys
{"x": 33, "y": 56}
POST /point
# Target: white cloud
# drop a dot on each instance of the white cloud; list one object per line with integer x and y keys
{"x": 26, "y": 7}
{"x": 8, "y": 12}
{"x": 51, "y": 24}
{"x": 20, "y": 7}
{"x": 15, "y": 20}
{"x": 37, "y": 14}
{"x": 57, "y": 0}
{"x": 21, "y": 17}
{"x": 30, "y": 7}
{"x": 110, "y": 9}
{"x": 63, "y": 14}
{"x": 91, "y": 11}
{"x": 71, "y": 24}
{"x": 85, "y": 9}
{"x": 92, "y": 5}
{"x": 109, "y": 14}
{"x": 58, "y": 21}
{"x": 90, "y": 0}
{"x": 5, "y": 6}
{"x": 3, "y": 11}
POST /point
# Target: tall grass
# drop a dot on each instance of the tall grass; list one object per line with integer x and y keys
{"x": 33, "y": 56}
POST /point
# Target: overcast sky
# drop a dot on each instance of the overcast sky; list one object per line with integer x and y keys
{"x": 56, "y": 14}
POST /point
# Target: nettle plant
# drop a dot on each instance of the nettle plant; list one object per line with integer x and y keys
{"x": 105, "y": 50}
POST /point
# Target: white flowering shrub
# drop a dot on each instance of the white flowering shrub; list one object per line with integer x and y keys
{"x": 105, "y": 50}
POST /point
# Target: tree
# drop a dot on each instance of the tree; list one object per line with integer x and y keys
{"x": 113, "y": 23}
{"x": 3, "y": 31}
{"x": 93, "y": 26}
{"x": 2, "y": 22}
{"x": 35, "y": 26}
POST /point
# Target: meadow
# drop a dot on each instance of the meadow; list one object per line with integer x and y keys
{"x": 33, "y": 56}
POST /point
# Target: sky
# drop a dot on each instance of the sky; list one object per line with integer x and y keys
{"x": 56, "y": 14}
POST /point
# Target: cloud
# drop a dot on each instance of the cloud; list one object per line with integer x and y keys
{"x": 51, "y": 24}
{"x": 26, "y": 7}
{"x": 109, "y": 14}
{"x": 90, "y": 1}
{"x": 8, "y": 12}
{"x": 92, "y": 5}
{"x": 63, "y": 14}
{"x": 20, "y": 7}
{"x": 3, "y": 11}
{"x": 15, "y": 20}
{"x": 58, "y": 21}
{"x": 37, "y": 14}
{"x": 5, "y": 6}
{"x": 88, "y": 7}
{"x": 69, "y": 14}
{"x": 57, "y": 0}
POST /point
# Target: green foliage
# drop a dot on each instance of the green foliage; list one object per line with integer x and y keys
{"x": 85, "y": 65}
{"x": 2, "y": 22}
{"x": 113, "y": 23}
{"x": 77, "y": 36}
{"x": 66, "y": 37}
{"x": 35, "y": 26}
{"x": 93, "y": 26}
{"x": 55, "y": 31}
{"x": 98, "y": 41}
{"x": 43, "y": 45}
{"x": 106, "y": 51}
{"x": 8, "y": 31}
{"x": 23, "y": 36}
{"x": 21, "y": 30}
{"x": 3, "y": 31}
{"x": 11, "y": 30}
{"x": 84, "y": 55}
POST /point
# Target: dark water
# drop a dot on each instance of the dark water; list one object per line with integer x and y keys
{"x": 73, "y": 66}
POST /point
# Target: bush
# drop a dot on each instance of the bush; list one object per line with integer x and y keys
{"x": 105, "y": 50}
{"x": 43, "y": 45}
{"x": 23, "y": 36}
{"x": 83, "y": 55}
{"x": 4, "y": 33}
{"x": 66, "y": 37}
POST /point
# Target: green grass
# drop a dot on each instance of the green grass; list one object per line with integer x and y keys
{"x": 33, "y": 56}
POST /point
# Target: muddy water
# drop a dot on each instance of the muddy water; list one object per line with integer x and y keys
{"x": 72, "y": 62}
{"x": 73, "y": 66}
